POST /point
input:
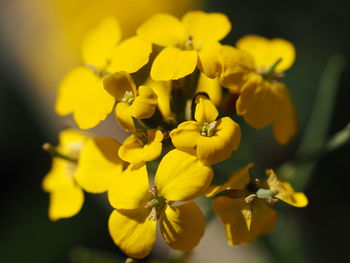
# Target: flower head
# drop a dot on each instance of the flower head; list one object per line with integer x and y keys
{"x": 81, "y": 91}
{"x": 132, "y": 225}
{"x": 80, "y": 162}
{"x": 141, "y": 147}
{"x": 190, "y": 42}
{"x": 136, "y": 103}
{"x": 252, "y": 71}
{"x": 245, "y": 209}
{"x": 210, "y": 139}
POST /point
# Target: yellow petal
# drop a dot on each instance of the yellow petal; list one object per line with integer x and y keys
{"x": 163, "y": 30}
{"x": 285, "y": 191}
{"x": 163, "y": 92}
{"x": 173, "y": 63}
{"x": 118, "y": 83}
{"x": 132, "y": 231}
{"x": 238, "y": 180}
{"x": 206, "y": 111}
{"x": 66, "y": 198}
{"x": 285, "y": 125}
{"x": 185, "y": 136}
{"x": 99, "y": 165}
{"x": 131, "y": 190}
{"x": 100, "y": 41}
{"x": 267, "y": 51}
{"x": 65, "y": 202}
{"x": 230, "y": 214}
{"x": 236, "y": 218}
{"x": 258, "y": 103}
{"x": 153, "y": 148}
{"x": 134, "y": 150}
{"x": 182, "y": 226}
{"x": 219, "y": 147}
{"x": 235, "y": 66}
{"x": 130, "y": 55}
{"x": 211, "y": 87}
{"x": 81, "y": 92}
{"x": 263, "y": 219}
{"x": 144, "y": 104}
{"x": 181, "y": 176}
{"x": 71, "y": 142}
{"x": 206, "y": 26}
{"x": 123, "y": 115}
{"x": 209, "y": 59}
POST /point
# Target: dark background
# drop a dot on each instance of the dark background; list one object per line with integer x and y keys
{"x": 319, "y": 30}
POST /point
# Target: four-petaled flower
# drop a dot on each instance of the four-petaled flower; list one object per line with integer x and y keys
{"x": 245, "y": 209}
{"x": 210, "y": 139}
{"x": 132, "y": 225}
{"x": 190, "y": 42}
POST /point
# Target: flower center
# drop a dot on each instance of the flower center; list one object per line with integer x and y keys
{"x": 208, "y": 129}
{"x": 128, "y": 97}
{"x": 157, "y": 203}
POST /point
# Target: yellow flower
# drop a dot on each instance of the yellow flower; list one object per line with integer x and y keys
{"x": 81, "y": 91}
{"x": 245, "y": 210}
{"x": 252, "y": 71}
{"x": 79, "y": 162}
{"x": 190, "y": 42}
{"x": 138, "y": 103}
{"x": 132, "y": 225}
{"x": 211, "y": 140}
{"x": 142, "y": 146}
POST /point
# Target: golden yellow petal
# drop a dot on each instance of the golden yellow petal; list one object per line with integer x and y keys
{"x": 229, "y": 211}
{"x": 285, "y": 125}
{"x": 258, "y": 103}
{"x": 118, "y": 83}
{"x": 209, "y": 59}
{"x": 123, "y": 115}
{"x": 211, "y": 87}
{"x": 285, "y": 191}
{"x": 144, "y": 104}
{"x": 173, "y": 63}
{"x": 182, "y": 227}
{"x": 235, "y": 68}
{"x": 163, "y": 30}
{"x": 206, "y": 111}
{"x": 131, "y": 190}
{"x": 237, "y": 181}
{"x": 134, "y": 150}
{"x": 99, "y": 164}
{"x": 99, "y": 42}
{"x": 181, "y": 176}
{"x": 205, "y": 27}
{"x": 81, "y": 92}
{"x": 163, "y": 91}
{"x": 130, "y": 55}
{"x": 66, "y": 198}
{"x": 132, "y": 231}
{"x": 267, "y": 51}
{"x": 185, "y": 136}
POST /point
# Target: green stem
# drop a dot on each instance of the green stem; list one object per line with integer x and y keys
{"x": 56, "y": 154}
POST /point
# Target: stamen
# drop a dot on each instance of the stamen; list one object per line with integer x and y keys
{"x": 208, "y": 129}
{"x": 128, "y": 97}
{"x": 189, "y": 43}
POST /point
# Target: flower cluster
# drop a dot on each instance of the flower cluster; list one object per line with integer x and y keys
{"x": 178, "y": 123}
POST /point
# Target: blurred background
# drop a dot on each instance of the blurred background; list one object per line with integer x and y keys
{"x": 40, "y": 42}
